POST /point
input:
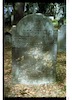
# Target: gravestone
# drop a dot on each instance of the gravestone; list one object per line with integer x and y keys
{"x": 7, "y": 37}
{"x": 62, "y": 39}
{"x": 34, "y": 49}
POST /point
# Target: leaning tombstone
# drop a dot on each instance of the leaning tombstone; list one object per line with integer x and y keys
{"x": 62, "y": 39}
{"x": 34, "y": 49}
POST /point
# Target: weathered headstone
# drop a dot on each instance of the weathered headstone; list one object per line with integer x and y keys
{"x": 7, "y": 37}
{"x": 8, "y": 34}
{"x": 34, "y": 48}
{"x": 62, "y": 39}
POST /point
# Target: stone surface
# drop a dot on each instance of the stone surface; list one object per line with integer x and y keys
{"x": 62, "y": 38}
{"x": 34, "y": 48}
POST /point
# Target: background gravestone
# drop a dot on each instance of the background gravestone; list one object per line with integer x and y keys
{"x": 62, "y": 38}
{"x": 7, "y": 37}
{"x": 34, "y": 48}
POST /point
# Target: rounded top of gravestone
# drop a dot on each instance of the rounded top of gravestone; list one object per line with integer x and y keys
{"x": 35, "y": 22}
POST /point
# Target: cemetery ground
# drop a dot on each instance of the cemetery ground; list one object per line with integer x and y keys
{"x": 57, "y": 89}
